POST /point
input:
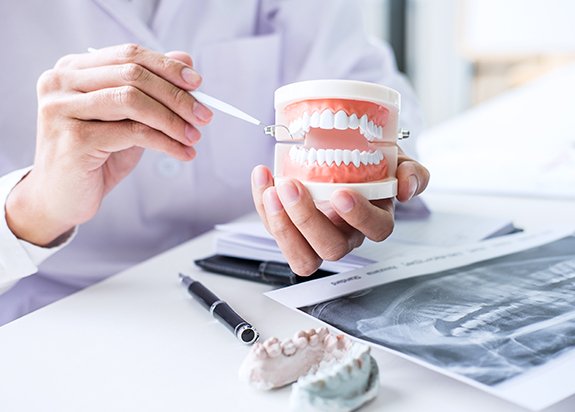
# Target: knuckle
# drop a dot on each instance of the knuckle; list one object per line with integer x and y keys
{"x": 125, "y": 95}
{"x": 382, "y": 233}
{"x": 137, "y": 128}
{"x": 49, "y": 108}
{"x": 305, "y": 267}
{"x": 175, "y": 122}
{"x": 279, "y": 231}
{"x": 169, "y": 65}
{"x": 132, "y": 73}
{"x": 302, "y": 219}
{"x": 180, "y": 96}
{"x": 64, "y": 61}
{"x": 48, "y": 81}
{"x": 334, "y": 252}
{"x": 129, "y": 51}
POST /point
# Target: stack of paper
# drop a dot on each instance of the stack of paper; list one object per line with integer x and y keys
{"x": 250, "y": 240}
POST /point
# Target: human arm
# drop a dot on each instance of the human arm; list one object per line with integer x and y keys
{"x": 19, "y": 258}
{"x": 97, "y": 113}
{"x": 336, "y": 47}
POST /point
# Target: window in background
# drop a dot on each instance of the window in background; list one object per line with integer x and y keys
{"x": 458, "y": 53}
{"x": 513, "y": 42}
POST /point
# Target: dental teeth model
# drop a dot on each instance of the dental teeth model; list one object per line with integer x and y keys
{"x": 333, "y": 373}
{"x": 342, "y": 134}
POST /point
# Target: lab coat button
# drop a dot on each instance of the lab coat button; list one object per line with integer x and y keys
{"x": 168, "y": 167}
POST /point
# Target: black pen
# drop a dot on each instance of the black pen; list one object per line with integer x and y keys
{"x": 221, "y": 310}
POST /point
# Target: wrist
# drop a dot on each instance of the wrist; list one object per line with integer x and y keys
{"x": 29, "y": 221}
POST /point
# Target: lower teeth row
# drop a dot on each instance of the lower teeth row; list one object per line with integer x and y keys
{"x": 338, "y": 156}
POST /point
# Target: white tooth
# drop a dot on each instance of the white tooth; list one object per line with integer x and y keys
{"x": 314, "y": 119}
{"x": 355, "y": 157}
{"x": 299, "y": 134}
{"x": 259, "y": 351}
{"x": 301, "y": 156}
{"x": 371, "y": 129}
{"x": 380, "y": 154}
{"x": 380, "y": 132}
{"x": 311, "y": 156}
{"x": 340, "y": 120}
{"x": 338, "y": 156}
{"x": 288, "y": 348}
{"x": 363, "y": 125}
{"x": 322, "y": 332}
{"x": 295, "y": 126}
{"x": 329, "y": 156}
{"x": 293, "y": 153}
{"x": 364, "y": 158}
{"x": 346, "y": 157}
{"x": 305, "y": 121}
{"x": 326, "y": 120}
{"x": 353, "y": 121}
{"x": 374, "y": 158}
{"x": 320, "y": 156}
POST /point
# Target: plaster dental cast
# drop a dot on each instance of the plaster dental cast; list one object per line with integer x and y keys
{"x": 107, "y": 160}
{"x": 331, "y": 372}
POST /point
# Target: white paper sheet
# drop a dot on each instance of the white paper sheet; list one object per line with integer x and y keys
{"x": 250, "y": 240}
{"x": 502, "y": 336}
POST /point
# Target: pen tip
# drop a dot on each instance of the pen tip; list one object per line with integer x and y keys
{"x": 181, "y": 275}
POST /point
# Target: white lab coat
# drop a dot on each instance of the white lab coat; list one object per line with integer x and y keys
{"x": 244, "y": 51}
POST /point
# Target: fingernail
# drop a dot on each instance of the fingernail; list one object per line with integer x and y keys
{"x": 191, "y": 76}
{"x": 343, "y": 202}
{"x": 288, "y": 193}
{"x": 413, "y": 185}
{"x": 201, "y": 112}
{"x": 190, "y": 151}
{"x": 260, "y": 177}
{"x": 192, "y": 134}
{"x": 272, "y": 203}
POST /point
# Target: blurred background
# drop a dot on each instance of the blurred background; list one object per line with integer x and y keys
{"x": 496, "y": 80}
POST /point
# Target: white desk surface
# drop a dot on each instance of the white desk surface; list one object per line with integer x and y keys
{"x": 138, "y": 342}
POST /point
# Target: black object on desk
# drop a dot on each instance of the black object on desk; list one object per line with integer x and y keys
{"x": 221, "y": 310}
{"x": 272, "y": 273}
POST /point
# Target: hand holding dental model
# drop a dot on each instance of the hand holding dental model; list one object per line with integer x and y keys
{"x": 98, "y": 111}
{"x": 335, "y": 171}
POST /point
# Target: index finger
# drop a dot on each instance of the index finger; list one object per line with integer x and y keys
{"x": 173, "y": 70}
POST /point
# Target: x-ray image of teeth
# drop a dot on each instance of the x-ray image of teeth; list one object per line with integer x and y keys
{"x": 488, "y": 321}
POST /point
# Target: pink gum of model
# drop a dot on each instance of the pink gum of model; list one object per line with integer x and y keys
{"x": 342, "y": 134}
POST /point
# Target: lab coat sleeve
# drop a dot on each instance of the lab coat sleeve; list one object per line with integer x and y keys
{"x": 18, "y": 258}
{"x": 324, "y": 39}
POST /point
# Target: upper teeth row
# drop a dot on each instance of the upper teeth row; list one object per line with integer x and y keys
{"x": 339, "y": 120}
{"x": 301, "y": 155}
